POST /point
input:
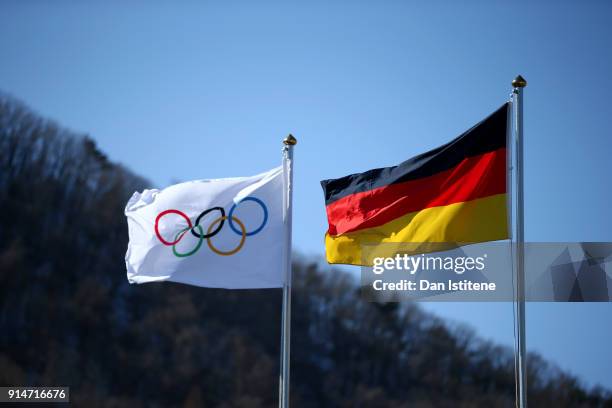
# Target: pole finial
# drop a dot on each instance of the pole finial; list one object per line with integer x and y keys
{"x": 519, "y": 82}
{"x": 290, "y": 140}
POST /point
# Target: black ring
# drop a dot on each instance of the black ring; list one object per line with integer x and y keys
{"x": 216, "y": 231}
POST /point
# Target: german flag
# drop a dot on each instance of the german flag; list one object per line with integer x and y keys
{"x": 454, "y": 194}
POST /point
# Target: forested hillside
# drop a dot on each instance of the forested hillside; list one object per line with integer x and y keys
{"x": 69, "y": 317}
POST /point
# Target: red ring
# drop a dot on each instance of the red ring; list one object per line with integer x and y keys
{"x": 161, "y": 214}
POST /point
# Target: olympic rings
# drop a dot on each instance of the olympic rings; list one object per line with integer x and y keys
{"x": 161, "y": 214}
{"x": 194, "y": 250}
{"x": 213, "y": 229}
{"x": 263, "y": 223}
{"x": 242, "y": 238}
{"x": 202, "y": 214}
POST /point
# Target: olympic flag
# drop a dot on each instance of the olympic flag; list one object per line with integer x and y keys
{"x": 223, "y": 233}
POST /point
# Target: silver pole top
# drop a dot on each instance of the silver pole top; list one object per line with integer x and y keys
{"x": 290, "y": 140}
{"x": 519, "y": 82}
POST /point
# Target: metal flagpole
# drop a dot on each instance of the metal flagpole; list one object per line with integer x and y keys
{"x": 283, "y": 394}
{"x": 519, "y": 83}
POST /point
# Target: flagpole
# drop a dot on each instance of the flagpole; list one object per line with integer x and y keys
{"x": 283, "y": 397}
{"x": 518, "y": 84}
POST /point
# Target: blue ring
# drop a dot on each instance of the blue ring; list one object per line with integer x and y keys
{"x": 263, "y": 224}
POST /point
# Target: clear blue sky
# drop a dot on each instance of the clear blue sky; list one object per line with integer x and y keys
{"x": 202, "y": 90}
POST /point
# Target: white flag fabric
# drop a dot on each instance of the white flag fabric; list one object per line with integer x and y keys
{"x": 223, "y": 233}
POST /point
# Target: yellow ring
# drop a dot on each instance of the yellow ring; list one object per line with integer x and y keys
{"x": 242, "y": 239}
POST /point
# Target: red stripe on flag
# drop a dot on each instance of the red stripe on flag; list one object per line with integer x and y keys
{"x": 474, "y": 177}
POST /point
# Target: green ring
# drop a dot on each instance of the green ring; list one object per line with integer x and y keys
{"x": 194, "y": 250}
